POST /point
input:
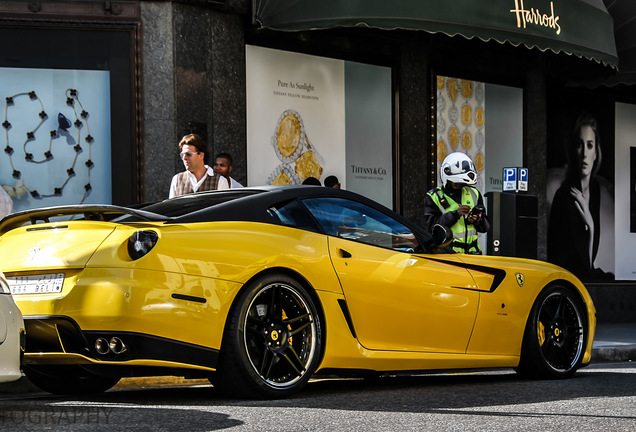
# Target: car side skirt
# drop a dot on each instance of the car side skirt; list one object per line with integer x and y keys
{"x": 384, "y": 361}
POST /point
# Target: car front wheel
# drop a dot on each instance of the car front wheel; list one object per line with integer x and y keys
{"x": 555, "y": 336}
{"x": 272, "y": 343}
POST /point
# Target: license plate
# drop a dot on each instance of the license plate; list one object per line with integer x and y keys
{"x": 36, "y": 284}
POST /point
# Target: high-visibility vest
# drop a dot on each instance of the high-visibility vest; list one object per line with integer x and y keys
{"x": 464, "y": 234}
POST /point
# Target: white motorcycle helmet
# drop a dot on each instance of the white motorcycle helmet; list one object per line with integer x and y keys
{"x": 458, "y": 168}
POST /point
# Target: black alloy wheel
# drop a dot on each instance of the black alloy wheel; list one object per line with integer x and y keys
{"x": 555, "y": 336}
{"x": 272, "y": 344}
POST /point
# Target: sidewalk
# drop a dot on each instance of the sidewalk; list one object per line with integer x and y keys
{"x": 613, "y": 343}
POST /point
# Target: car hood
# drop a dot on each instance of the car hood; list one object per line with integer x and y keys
{"x": 50, "y": 246}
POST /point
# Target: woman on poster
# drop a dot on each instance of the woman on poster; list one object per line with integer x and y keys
{"x": 574, "y": 230}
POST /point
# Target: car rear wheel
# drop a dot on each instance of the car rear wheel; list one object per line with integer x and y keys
{"x": 64, "y": 380}
{"x": 272, "y": 343}
{"x": 555, "y": 336}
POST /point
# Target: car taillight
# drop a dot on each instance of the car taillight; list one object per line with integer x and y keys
{"x": 141, "y": 242}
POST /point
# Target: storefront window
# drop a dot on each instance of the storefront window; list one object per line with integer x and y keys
{"x": 310, "y": 116}
{"x": 580, "y": 184}
{"x": 484, "y": 121}
{"x": 56, "y": 137}
{"x": 69, "y": 123}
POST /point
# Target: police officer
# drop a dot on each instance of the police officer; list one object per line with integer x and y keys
{"x": 457, "y": 205}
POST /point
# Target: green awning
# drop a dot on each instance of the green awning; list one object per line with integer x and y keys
{"x": 577, "y": 27}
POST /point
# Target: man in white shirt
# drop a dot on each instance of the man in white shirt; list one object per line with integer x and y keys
{"x": 198, "y": 176}
{"x": 223, "y": 167}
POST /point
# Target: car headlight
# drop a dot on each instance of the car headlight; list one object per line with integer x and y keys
{"x": 141, "y": 242}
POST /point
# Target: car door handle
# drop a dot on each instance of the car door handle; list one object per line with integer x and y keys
{"x": 343, "y": 253}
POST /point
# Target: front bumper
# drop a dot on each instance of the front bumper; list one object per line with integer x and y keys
{"x": 12, "y": 347}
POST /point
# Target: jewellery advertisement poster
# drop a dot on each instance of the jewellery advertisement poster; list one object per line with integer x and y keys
{"x": 473, "y": 113}
{"x": 55, "y": 133}
{"x": 310, "y": 116}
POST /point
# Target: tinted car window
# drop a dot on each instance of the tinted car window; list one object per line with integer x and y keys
{"x": 355, "y": 221}
{"x": 292, "y": 214}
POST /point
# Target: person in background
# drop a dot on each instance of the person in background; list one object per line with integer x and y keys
{"x": 312, "y": 181}
{"x": 198, "y": 176}
{"x": 457, "y": 205}
{"x": 574, "y": 226}
{"x": 223, "y": 167}
{"x": 332, "y": 182}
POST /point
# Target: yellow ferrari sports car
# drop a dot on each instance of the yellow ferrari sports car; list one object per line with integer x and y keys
{"x": 259, "y": 289}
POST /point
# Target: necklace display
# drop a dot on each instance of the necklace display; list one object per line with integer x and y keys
{"x": 80, "y": 123}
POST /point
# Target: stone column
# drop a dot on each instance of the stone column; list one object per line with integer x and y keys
{"x": 414, "y": 149}
{"x": 194, "y": 82}
{"x": 535, "y": 147}
{"x": 160, "y": 158}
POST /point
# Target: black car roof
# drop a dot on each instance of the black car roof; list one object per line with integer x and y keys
{"x": 241, "y": 204}
{"x": 250, "y": 204}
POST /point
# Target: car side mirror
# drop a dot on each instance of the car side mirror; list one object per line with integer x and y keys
{"x": 442, "y": 236}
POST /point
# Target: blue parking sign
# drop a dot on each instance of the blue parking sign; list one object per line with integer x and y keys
{"x": 515, "y": 179}
{"x": 523, "y": 179}
{"x": 510, "y": 179}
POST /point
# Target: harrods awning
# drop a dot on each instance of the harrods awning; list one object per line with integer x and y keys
{"x": 576, "y": 27}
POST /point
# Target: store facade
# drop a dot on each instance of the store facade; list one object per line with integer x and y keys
{"x": 381, "y": 98}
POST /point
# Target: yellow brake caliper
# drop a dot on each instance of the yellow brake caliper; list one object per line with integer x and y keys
{"x": 288, "y": 326}
{"x": 541, "y": 333}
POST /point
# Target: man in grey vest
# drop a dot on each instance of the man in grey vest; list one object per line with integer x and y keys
{"x": 198, "y": 176}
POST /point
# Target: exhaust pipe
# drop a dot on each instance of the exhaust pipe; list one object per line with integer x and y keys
{"x": 102, "y": 346}
{"x": 117, "y": 346}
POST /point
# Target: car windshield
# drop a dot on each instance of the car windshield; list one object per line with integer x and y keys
{"x": 188, "y": 203}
